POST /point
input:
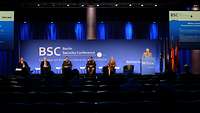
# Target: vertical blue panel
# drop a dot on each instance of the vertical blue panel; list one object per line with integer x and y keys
{"x": 181, "y": 63}
{"x": 101, "y": 31}
{"x": 1, "y": 64}
{"x": 79, "y": 31}
{"x": 52, "y": 31}
{"x": 3, "y": 60}
{"x": 129, "y": 31}
{"x": 153, "y": 31}
{"x": 184, "y": 58}
{"x": 188, "y": 57}
{"x": 25, "y": 31}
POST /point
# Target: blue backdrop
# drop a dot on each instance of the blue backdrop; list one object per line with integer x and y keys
{"x": 124, "y": 52}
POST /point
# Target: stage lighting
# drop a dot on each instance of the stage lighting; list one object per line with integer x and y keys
{"x": 155, "y": 5}
{"x": 195, "y": 7}
{"x": 98, "y": 5}
{"x": 82, "y": 5}
{"x": 25, "y": 22}
{"x": 116, "y": 5}
{"x": 130, "y": 5}
{"x": 38, "y": 5}
{"x": 142, "y": 5}
{"x": 67, "y": 5}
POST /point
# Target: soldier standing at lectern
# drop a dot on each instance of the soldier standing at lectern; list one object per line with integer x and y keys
{"x": 147, "y": 53}
{"x": 91, "y": 66}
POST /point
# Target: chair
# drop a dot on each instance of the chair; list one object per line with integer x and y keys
{"x": 82, "y": 69}
{"x": 59, "y": 71}
{"x": 128, "y": 69}
{"x": 37, "y": 70}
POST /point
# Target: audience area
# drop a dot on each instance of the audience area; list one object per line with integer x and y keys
{"x": 141, "y": 94}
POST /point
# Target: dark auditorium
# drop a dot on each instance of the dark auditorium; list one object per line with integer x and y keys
{"x": 99, "y": 56}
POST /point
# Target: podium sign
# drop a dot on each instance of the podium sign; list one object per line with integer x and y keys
{"x": 148, "y": 66}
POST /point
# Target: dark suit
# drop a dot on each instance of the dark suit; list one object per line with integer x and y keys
{"x": 66, "y": 67}
{"x": 91, "y": 67}
{"x": 25, "y": 68}
{"x": 45, "y": 70}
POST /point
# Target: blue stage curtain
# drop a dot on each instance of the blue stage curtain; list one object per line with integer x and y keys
{"x": 6, "y": 62}
{"x": 52, "y": 31}
{"x": 129, "y": 34}
{"x": 184, "y": 58}
{"x": 79, "y": 31}
{"x": 25, "y": 33}
{"x": 101, "y": 31}
{"x": 153, "y": 31}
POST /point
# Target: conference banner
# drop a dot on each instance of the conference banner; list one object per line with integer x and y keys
{"x": 185, "y": 27}
{"x": 125, "y": 52}
{"x": 6, "y": 30}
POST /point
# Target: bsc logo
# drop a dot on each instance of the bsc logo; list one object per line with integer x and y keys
{"x": 49, "y": 51}
{"x": 174, "y": 15}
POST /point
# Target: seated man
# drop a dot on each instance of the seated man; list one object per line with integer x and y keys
{"x": 111, "y": 66}
{"x": 45, "y": 67}
{"x": 25, "y": 69}
{"x": 91, "y": 66}
{"x": 66, "y": 66}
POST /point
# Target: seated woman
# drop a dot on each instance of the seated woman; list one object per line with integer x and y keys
{"x": 111, "y": 66}
{"x": 25, "y": 69}
{"x": 45, "y": 67}
{"x": 91, "y": 66}
{"x": 66, "y": 66}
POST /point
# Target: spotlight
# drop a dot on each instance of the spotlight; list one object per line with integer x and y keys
{"x": 51, "y": 22}
{"x": 195, "y": 7}
{"x": 98, "y": 5}
{"x": 38, "y": 5}
{"x": 25, "y": 22}
{"x": 155, "y": 5}
{"x": 67, "y": 5}
{"x": 82, "y": 5}
{"x": 116, "y": 5}
{"x": 130, "y": 5}
{"x": 142, "y": 5}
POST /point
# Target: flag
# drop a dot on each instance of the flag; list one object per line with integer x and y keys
{"x": 172, "y": 60}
